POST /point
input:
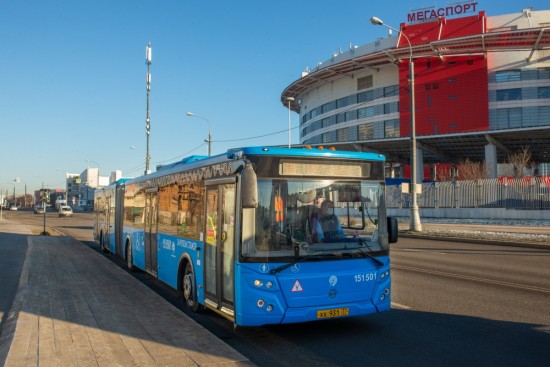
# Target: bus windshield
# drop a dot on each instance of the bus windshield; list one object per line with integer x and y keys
{"x": 299, "y": 217}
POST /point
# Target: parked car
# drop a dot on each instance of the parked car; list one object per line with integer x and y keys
{"x": 13, "y": 207}
{"x": 65, "y": 211}
{"x": 38, "y": 210}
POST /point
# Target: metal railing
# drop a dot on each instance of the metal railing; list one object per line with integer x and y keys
{"x": 527, "y": 193}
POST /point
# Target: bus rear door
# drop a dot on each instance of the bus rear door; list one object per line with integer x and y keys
{"x": 220, "y": 246}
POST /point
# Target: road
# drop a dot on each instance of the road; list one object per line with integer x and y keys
{"x": 454, "y": 304}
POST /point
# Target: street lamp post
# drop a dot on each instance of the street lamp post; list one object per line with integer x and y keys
{"x": 415, "y": 224}
{"x": 209, "y": 141}
{"x": 17, "y": 179}
{"x": 289, "y": 100}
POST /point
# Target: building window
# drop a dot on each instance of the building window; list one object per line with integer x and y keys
{"x": 544, "y": 73}
{"x": 391, "y": 128}
{"x": 452, "y": 98}
{"x": 329, "y": 121}
{"x": 508, "y": 76}
{"x": 341, "y": 117}
{"x": 429, "y": 101}
{"x": 328, "y": 107}
{"x": 391, "y": 108}
{"x": 509, "y": 118}
{"x": 365, "y": 112}
{"x": 365, "y": 96}
{"x": 365, "y": 132}
{"x": 342, "y": 134}
{"x": 346, "y": 101}
{"x": 351, "y": 115}
{"x": 391, "y": 91}
{"x": 326, "y": 138}
{"x": 508, "y": 94}
{"x": 364, "y": 82}
{"x": 544, "y": 92}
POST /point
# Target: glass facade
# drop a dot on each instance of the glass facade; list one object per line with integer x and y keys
{"x": 313, "y": 121}
{"x": 523, "y": 105}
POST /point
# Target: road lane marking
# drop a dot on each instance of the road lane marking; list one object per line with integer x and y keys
{"x": 474, "y": 279}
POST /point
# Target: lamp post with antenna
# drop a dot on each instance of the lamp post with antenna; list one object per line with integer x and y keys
{"x": 209, "y": 141}
{"x": 148, "y": 58}
{"x": 415, "y": 224}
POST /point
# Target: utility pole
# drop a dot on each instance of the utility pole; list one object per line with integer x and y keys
{"x": 148, "y": 57}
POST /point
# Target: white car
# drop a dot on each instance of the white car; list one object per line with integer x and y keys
{"x": 13, "y": 207}
{"x": 65, "y": 211}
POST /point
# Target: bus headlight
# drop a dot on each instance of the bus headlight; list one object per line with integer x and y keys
{"x": 258, "y": 283}
{"x": 260, "y": 303}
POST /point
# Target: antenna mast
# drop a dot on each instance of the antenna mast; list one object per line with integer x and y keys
{"x": 148, "y": 57}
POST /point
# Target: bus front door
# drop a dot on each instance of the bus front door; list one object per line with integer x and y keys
{"x": 220, "y": 246}
{"x": 150, "y": 235}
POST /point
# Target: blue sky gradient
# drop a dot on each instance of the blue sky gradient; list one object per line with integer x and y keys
{"x": 74, "y": 76}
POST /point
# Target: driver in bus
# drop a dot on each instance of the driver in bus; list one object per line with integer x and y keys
{"x": 325, "y": 225}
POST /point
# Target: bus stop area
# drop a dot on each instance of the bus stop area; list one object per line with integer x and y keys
{"x": 74, "y": 306}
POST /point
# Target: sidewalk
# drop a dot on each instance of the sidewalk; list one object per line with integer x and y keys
{"x": 491, "y": 234}
{"x": 68, "y": 312}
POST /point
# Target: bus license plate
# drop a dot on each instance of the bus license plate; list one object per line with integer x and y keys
{"x": 335, "y": 312}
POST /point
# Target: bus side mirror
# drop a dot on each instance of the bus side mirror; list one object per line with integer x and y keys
{"x": 392, "y": 230}
{"x": 249, "y": 188}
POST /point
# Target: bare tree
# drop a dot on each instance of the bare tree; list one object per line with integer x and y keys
{"x": 520, "y": 160}
{"x": 444, "y": 173}
{"x": 470, "y": 170}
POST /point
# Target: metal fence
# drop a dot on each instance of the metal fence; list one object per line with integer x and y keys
{"x": 528, "y": 193}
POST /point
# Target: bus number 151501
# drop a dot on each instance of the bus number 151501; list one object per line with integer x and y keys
{"x": 367, "y": 277}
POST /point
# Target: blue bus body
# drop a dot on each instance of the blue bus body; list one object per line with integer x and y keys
{"x": 229, "y": 231}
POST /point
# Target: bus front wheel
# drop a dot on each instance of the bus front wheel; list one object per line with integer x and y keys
{"x": 189, "y": 288}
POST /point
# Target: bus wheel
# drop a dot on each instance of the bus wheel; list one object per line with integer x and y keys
{"x": 189, "y": 288}
{"x": 129, "y": 263}
{"x": 102, "y": 243}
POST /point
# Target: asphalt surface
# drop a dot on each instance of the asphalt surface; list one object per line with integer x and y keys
{"x": 454, "y": 304}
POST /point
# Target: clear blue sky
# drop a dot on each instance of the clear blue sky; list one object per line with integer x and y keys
{"x": 73, "y": 75}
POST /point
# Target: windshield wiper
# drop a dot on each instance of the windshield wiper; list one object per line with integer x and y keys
{"x": 298, "y": 260}
{"x": 366, "y": 254}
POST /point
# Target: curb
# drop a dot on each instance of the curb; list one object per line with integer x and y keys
{"x": 474, "y": 240}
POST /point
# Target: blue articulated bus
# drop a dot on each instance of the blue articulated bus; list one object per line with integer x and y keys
{"x": 260, "y": 235}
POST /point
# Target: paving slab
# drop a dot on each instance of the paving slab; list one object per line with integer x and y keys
{"x": 68, "y": 311}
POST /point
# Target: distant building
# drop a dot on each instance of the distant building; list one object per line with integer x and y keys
{"x": 90, "y": 180}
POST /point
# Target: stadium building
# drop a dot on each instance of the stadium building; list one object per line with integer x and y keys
{"x": 482, "y": 90}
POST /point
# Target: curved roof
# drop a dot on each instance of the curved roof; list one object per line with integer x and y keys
{"x": 530, "y": 39}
